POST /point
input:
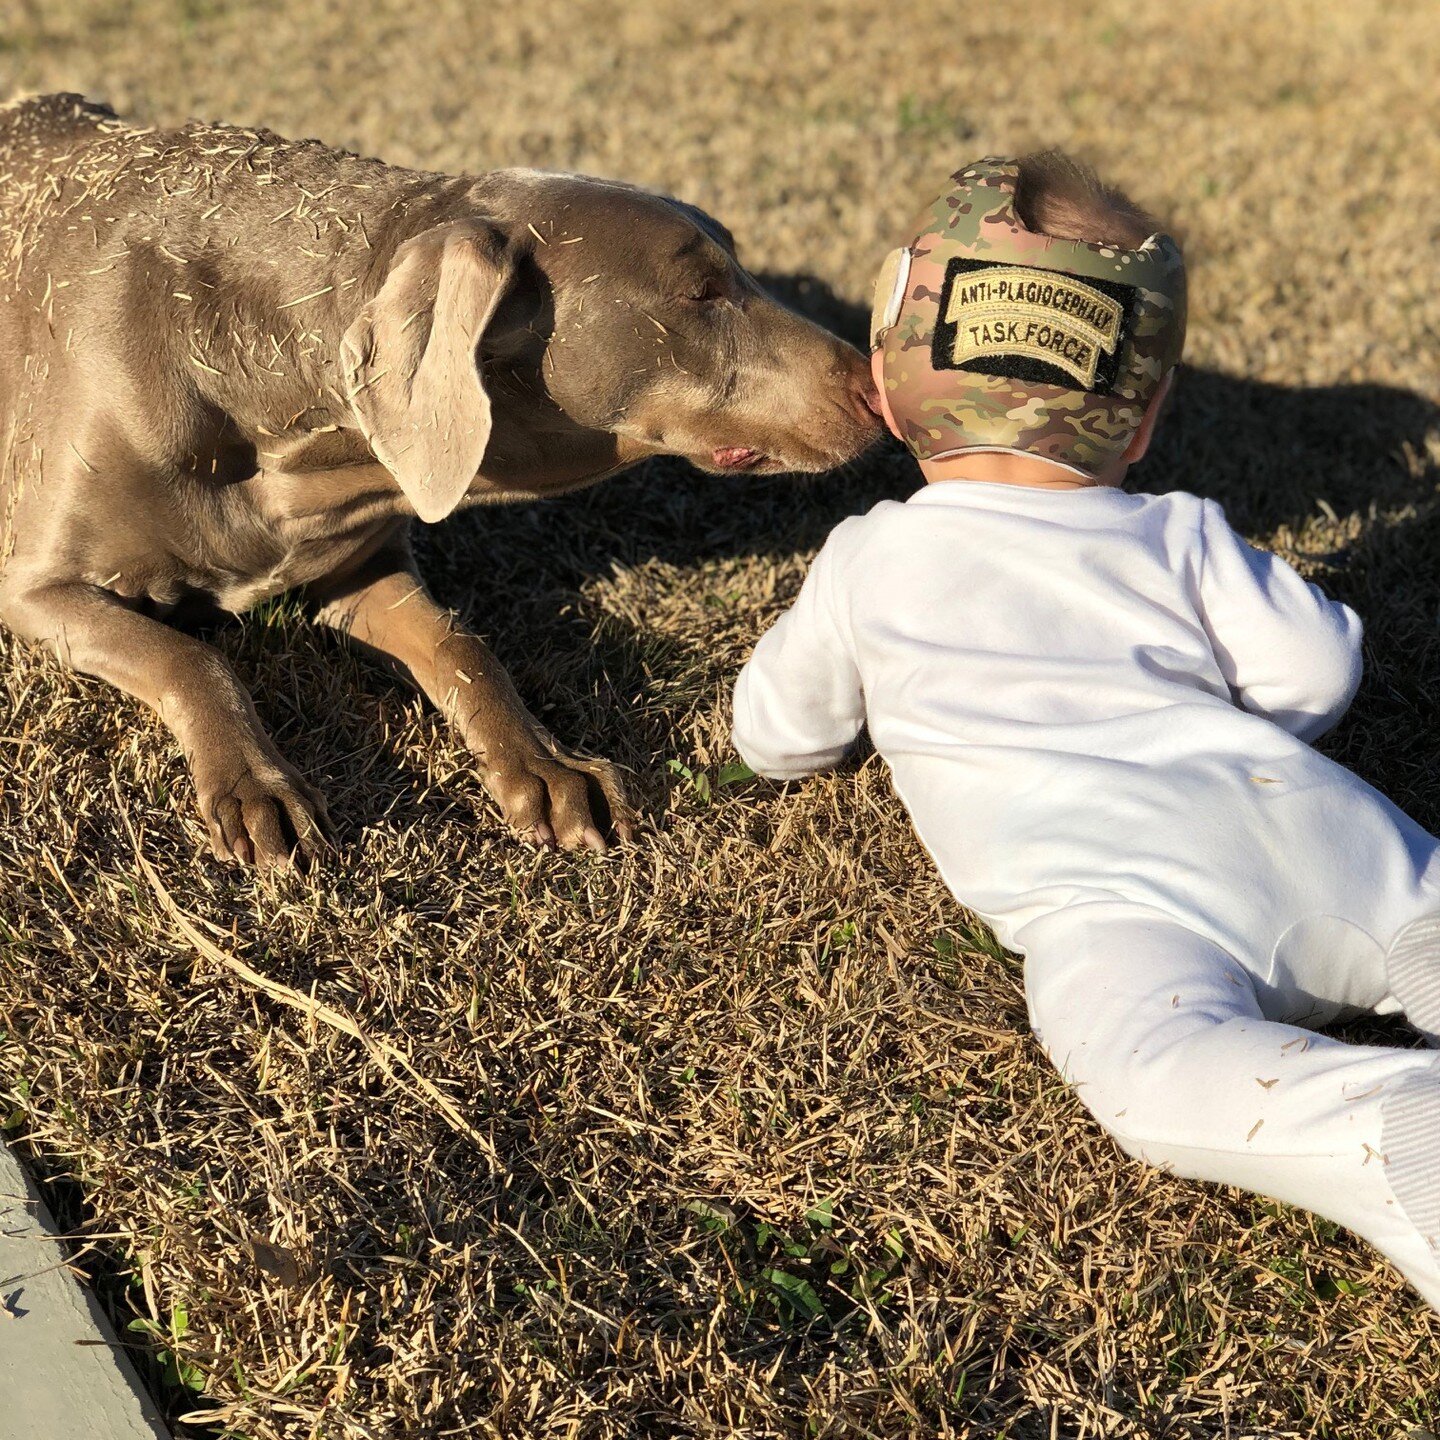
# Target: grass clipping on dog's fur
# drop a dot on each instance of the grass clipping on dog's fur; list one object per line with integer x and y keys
{"x": 752, "y": 1139}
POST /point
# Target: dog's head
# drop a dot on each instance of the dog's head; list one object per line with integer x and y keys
{"x": 576, "y": 325}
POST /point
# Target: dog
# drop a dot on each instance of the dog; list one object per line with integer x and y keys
{"x": 233, "y": 365}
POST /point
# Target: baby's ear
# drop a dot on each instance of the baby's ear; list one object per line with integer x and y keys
{"x": 877, "y": 370}
{"x": 1140, "y": 440}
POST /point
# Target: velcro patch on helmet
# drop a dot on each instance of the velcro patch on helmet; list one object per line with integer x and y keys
{"x": 1043, "y": 326}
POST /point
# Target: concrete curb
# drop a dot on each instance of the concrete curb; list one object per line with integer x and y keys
{"x": 62, "y": 1376}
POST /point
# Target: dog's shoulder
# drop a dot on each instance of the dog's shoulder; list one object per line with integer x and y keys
{"x": 38, "y": 131}
{"x": 60, "y": 150}
{"x": 56, "y": 117}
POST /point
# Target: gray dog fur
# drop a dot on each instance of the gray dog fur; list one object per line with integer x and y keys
{"x": 233, "y": 365}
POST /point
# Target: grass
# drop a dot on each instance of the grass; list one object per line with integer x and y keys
{"x": 754, "y": 1141}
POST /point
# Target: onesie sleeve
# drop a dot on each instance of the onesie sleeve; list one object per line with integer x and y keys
{"x": 798, "y": 700}
{"x": 1287, "y": 650}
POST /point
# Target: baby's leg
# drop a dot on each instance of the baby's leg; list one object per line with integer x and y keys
{"x": 1161, "y": 1033}
{"x": 1412, "y": 966}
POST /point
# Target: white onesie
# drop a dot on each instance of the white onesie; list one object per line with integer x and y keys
{"x": 1096, "y": 707}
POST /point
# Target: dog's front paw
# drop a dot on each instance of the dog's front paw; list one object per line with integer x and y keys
{"x": 262, "y": 813}
{"x": 556, "y": 798}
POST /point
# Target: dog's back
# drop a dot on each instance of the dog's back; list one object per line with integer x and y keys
{"x": 42, "y": 138}
{"x": 203, "y": 236}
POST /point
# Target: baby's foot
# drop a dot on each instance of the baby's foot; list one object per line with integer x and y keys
{"x": 1413, "y": 965}
{"x": 1410, "y": 1137}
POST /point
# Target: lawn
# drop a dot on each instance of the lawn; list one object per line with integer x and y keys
{"x": 738, "y": 1132}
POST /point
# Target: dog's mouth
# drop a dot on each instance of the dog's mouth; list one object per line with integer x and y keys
{"x": 747, "y": 460}
{"x": 797, "y": 458}
{"x": 737, "y": 457}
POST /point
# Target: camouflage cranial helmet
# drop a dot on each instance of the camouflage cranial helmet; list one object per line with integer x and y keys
{"x": 997, "y": 338}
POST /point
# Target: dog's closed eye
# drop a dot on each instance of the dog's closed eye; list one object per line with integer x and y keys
{"x": 709, "y": 291}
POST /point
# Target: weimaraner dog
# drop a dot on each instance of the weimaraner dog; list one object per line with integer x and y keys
{"x": 232, "y": 365}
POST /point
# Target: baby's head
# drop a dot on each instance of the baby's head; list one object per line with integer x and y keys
{"x": 1035, "y": 311}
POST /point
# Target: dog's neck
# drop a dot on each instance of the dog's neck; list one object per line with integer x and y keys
{"x": 330, "y": 471}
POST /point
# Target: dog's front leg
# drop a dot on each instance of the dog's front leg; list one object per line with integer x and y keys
{"x": 257, "y": 808}
{"x": 544, "y": 791}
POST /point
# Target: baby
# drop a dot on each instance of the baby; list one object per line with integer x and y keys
{"x": 1097, "y": 708}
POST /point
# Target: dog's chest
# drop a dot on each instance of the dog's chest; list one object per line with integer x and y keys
{"x": 250, "y": 542}
{"x": 263, "y": 563}
{"x": 238, "y": 588}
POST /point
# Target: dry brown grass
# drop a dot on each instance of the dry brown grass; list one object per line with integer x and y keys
{"x": 770, "y": 1008}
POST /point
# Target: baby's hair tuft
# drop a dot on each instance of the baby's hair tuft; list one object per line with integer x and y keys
{"x": 1060, "y": 196}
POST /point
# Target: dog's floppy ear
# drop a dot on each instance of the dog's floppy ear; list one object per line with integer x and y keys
{"x": 410, "y": 364}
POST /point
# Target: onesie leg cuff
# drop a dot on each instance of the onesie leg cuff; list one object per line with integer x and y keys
{"x": 1410, "y": 1136}
{"x": 1413, "y": 967}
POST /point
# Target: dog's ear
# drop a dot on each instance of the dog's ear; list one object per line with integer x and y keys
{"x": 410, "y": 364}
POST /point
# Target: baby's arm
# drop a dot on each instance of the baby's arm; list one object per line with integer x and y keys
{"x": 1288, "y": 652}
{"x": 798, "y": 701}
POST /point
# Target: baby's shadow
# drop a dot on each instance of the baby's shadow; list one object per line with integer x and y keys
{"x": 1288, "y": 455}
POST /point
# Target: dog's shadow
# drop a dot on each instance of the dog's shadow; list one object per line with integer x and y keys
{"x": 1291, "y": 463}
{"x": 1276, "y": 455}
